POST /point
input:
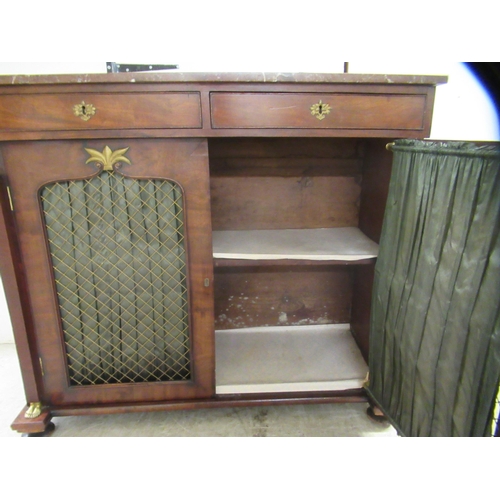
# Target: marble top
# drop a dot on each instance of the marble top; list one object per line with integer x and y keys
{"x": 183, "y": 77}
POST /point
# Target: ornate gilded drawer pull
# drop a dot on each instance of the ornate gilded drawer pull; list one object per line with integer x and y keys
{"x": 320, "y": 110}
{"x": 84, "y": 111}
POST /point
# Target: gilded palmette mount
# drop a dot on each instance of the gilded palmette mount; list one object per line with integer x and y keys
{"x": 107, "y": 158}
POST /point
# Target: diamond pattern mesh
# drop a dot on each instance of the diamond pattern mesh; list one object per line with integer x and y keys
{"x": 118, "y": 254}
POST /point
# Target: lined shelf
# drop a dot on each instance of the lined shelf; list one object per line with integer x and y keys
{"x": 288, "y": 359}
{"x": 346, "y": 245}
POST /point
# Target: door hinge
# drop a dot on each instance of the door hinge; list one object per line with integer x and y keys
{"x": 41, "y": 366}
{"x": 9, "y": 194}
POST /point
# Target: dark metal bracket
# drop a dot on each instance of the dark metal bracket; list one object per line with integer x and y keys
{"x": 113, "y": 67}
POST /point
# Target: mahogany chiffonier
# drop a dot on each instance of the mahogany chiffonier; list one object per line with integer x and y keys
{"x": 177, "y": 241}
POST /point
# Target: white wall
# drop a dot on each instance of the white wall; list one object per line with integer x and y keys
{"x": 463, "y": 110}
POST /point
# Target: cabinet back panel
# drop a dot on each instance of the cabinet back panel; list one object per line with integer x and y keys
{"x": 284, "y": 202}
{"x": 299, "y": 295}
{"x": 281, "y": 184}
{"x": 259, "y": 147}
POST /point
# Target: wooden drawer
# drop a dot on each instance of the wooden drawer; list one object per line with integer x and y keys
{"x": 318, "y": 111}
{"x": 110, "y": 111}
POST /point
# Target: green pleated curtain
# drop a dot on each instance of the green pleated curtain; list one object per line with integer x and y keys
{"x": 435, "y": 325}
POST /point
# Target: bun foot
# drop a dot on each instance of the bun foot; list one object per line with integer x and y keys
{"x": 376, "y": 414}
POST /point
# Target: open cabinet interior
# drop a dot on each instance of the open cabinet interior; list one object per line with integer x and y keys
{"x": 295, "y": 229}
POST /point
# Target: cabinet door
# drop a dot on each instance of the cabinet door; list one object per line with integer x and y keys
{"x": 435, "y": 323}
{"x": 116, "y": 244}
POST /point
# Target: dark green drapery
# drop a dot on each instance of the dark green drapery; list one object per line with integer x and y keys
{"x": 435, "y": 326}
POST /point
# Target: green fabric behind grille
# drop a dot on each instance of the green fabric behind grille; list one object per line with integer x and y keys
{"x": 435, "y": 327}
{"x": 117, "y": 247}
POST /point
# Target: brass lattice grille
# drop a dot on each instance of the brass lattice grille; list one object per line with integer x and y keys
{"x": 117, "y": 248}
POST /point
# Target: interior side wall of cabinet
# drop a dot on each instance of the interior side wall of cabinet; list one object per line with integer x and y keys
{"x": 377, "y": 167}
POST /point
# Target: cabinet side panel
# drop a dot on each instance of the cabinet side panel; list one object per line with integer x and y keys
{"x": 13, "y": 278}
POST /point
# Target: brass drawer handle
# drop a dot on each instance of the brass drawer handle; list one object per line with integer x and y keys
{"x": 84, "y": 111}
{"x": 320, "y": 110}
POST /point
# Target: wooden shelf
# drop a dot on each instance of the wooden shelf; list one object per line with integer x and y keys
{"x": 346, "y": 245}
{"x": 288, "y": 359}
